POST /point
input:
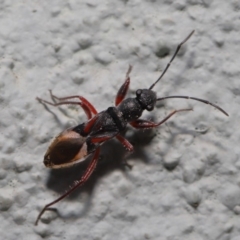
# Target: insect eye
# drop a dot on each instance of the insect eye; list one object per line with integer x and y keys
{"x": 138, "y": 92}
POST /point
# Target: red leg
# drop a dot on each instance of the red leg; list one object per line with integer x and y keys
{"x": 124, "y": 88}
{"x": 125, "y": 143}
{"x": 128, "y": 146}
{"x": 149, "y": 124}
{"x": 89, "y": 124}
{"x": 84, "y": 178}
{"x": 83, "y": 100}
{"x": 84, "y": 107}
{"x": 85, "y": 104}
{"x": 101, "y": 139}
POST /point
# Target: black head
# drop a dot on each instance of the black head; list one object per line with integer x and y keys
{"x": 147, "y": 98}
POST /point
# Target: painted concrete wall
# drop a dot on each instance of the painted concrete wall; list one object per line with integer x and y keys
{"x": 185, "y": 180}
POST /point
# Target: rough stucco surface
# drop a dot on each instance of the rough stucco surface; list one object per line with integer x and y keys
{"x": 185, "y": 181}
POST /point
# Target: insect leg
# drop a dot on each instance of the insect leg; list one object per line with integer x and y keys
{"x": 84, "y": 178}
{"x": 101, "y": 138}
{"x": 85, "y": 104}
{"x": 128, "y": 146}
{"x": 140, "y": 123}
{"x": 104, "y": 137}
{"x": 82, "y": 99}
{"x": 125, "y": 143}
{"x": 124, "y": 88}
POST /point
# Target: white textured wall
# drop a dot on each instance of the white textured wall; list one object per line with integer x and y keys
{"x": 84, "y": 47}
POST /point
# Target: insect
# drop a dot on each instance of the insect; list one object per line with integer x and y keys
{"x": 73, "y": 145}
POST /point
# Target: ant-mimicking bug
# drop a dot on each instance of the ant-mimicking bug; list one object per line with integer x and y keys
{"x": 74, "y": 144}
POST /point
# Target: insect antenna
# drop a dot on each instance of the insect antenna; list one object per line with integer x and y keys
{"x": 174, "y": 55}
{"x": 196, "y": 99}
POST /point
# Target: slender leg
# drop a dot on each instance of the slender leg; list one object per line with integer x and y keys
{"x": 82, "y": 99}
{"x": 101, "y": 138}
{"x": 140, "y": 123}
{"x": 128, "y": 146}
{"x": 85, "y": 104}
{"x": 125, "y": 143}
{"x": 124, "y": 88}
{"x": 88, "y": 126}
{"x": 84, "y": 178}
{"x": 84, "y": 107}
{"x": 96, "y": 140}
